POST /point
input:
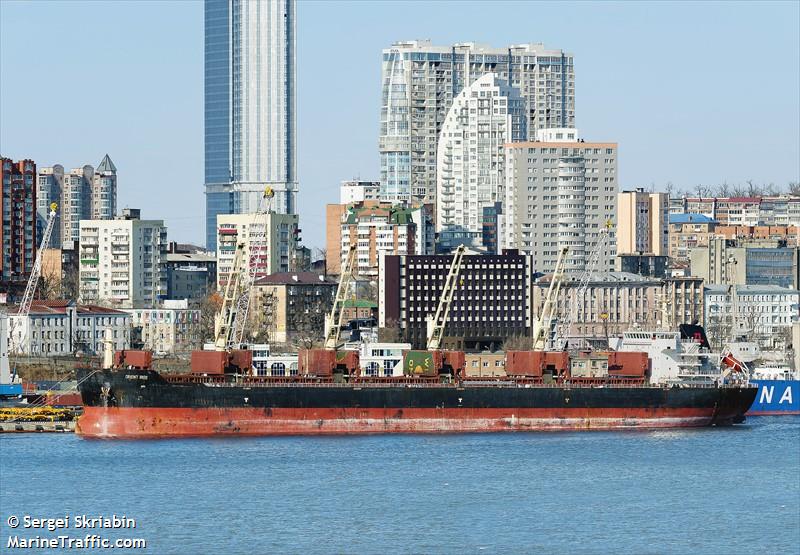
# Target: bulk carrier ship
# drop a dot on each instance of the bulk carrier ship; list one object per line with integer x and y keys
{"x": 542, "y": 391}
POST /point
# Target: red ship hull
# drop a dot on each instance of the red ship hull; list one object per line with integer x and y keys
{"x": 136, "y": 422}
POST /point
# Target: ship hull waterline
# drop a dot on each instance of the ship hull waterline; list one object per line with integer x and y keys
{"x": 162, "y": 422}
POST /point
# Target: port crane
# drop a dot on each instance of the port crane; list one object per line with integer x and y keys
{"x": 437, "y": 322}
{"x": 231, "y": 319}
{"x": 583, "y": 284}
{"x": 333, "y": 320}
{"x": 543, "y": 324}
{"x": 6, "y": 379}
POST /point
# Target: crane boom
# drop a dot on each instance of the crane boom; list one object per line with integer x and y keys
{"x": 230, "y": 321}
{"x": 543, "y": 323}
{"x": 437, "y": 323}
{"x": 333, "y": 320}
{"x": 30, "y": 289}
{"x": 583, "y": 285}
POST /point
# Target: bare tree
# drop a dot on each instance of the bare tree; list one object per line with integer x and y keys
{"x": 391, "y": 333}
{"x": 518, "y": 343}
{"x": 305, "y": 318}
{"x": 209, "y": 308}
{"x": 794, "y": 188}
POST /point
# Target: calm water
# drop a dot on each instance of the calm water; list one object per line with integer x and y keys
{"x": 734, "y": 490}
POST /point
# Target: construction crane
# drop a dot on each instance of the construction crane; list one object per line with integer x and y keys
{"x": 333, "y": 320}
{"x": 544, "y": 322}
{"x": 437, "y": 322}
{"x": 7, "y": 385}
{"x": 230, "y": 322}
{"x": 583, "y": 284}
{"x": 33, "y": 281}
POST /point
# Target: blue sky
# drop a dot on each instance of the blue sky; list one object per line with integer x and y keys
{"x": 693, "y": 93}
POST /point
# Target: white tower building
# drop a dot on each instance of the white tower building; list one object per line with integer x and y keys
{"x": 471, "y": 153}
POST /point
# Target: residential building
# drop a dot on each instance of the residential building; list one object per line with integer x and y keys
{"x": 84, "y": 193}
{"x": 767, "y": 311}
{"x": 122, "y": 261}
{"x": 287, "y": 306}
{"x": 491, "y": 303}
{"x": 642, "y": 223}
{"x": 377, "y": 228}
{"x": 18, "y": 233}
{"x": 190, "y": 276}
{"x": 688, "y": 231}
{"x": 376, "y": 231}
{"x": 250, "y": 114}
{"x": 359, "y": 191}
{"x": 55, "y": 328}
{"x": 742, "y": 211}
{"x": 60, "y": 272}
{"x": 270, "y": 246}
{"x": 649, "y": 265}
{"x": 175, "y": 328}
{"x": 561, "y": 192}
{"x": 615, "y": 302}
{"x": 420, "y": 82}
{"x": 728, "y": 262}
{"x": 359, "y": 309}
{"x": 780, "y": 235}
{"x": 471, "y": 153}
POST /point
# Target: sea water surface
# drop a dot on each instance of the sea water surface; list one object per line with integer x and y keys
{"x": 706, "y": 491}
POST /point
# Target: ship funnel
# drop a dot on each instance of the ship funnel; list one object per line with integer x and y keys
{"x": 108, "y": 349}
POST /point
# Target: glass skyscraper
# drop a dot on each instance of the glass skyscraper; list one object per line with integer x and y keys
{"x": 250, "y": 124}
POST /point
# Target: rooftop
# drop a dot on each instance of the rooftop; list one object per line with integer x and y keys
{"x": 690, "y": 219}
{"x": 295, "y": 278}
{"x": 605, "y": 277}
{"x": 716, "y": 288}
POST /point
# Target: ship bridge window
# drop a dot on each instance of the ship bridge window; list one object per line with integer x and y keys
{"x": 278, "y": 369}
{"x": 372, "y": 369}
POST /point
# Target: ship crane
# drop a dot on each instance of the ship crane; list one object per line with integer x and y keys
{"x": 230, "y": 321}
{"x": 543, "y": 323}
{"x": 333, "y": 320}
{"x": 583, "y": 286}
{"x": 33, "y": 281}
{"x": 436, "y": 323}
{"x": 6, "y": 380}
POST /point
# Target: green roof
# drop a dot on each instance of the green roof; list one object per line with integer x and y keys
{"x": 396, "y": 215}
{"x": 360, "y": 303}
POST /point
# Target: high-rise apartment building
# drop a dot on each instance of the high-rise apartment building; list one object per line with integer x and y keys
{"x": 270, "y": 249}
{"x": 250, "y": 123}
{"x": 18, "y": 234}
{"x": 84, "y": 193}
{"x": 471, "y": 154}
{"x": 642, "y": 223}
{"x": 561, "y": 192}
{"x": 358, "y": 191}
{"x": 420, "y": 81}
{"x": 122, "y": 261}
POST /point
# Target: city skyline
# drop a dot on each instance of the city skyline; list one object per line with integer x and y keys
{"x": 677, "y": 117}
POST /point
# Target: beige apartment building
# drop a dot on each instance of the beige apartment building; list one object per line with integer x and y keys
{"x": 286, "y": 304}
{"x": 377, "y": 229}
{"x": 272, "y": 246}
{"x": 688, "y": 231}
{"x": 642, "y": 223}
{"x": 560, "y": 192}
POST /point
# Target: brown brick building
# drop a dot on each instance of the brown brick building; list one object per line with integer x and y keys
{"x": 18, "y": 231}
